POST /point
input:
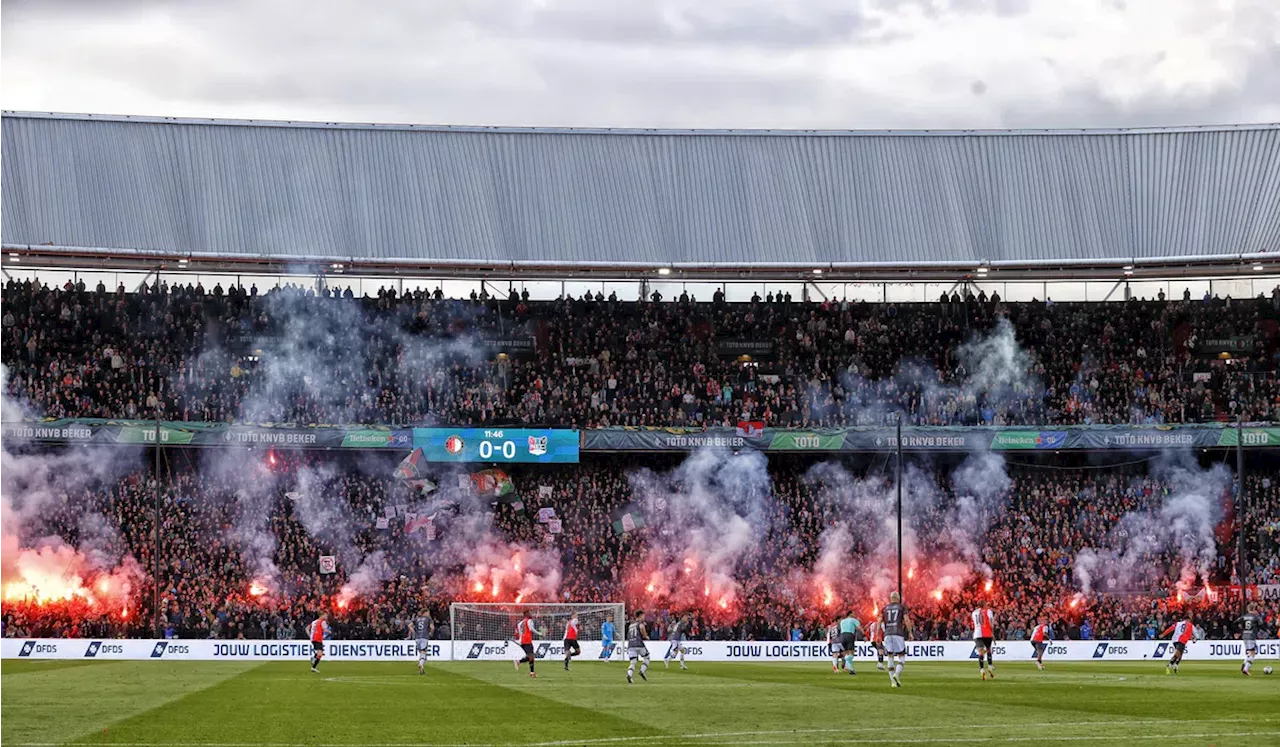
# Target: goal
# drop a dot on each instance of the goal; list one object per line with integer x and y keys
{"x": 487, "y": 631}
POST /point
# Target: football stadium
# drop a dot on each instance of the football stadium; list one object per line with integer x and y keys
{"x": 324, "y": 434}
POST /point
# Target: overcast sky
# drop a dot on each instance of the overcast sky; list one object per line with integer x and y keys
{"x": 858, "y": 64}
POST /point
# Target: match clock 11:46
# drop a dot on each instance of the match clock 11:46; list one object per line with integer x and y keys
{"x": 498, "y": 445}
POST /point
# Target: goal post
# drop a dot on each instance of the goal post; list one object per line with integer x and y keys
{"x": 488, "y": 630}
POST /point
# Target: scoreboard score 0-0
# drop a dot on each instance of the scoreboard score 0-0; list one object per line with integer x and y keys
{"x": 498, "y": 445}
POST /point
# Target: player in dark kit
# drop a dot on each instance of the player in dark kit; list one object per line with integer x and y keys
{"x": 897, "y": 627}
{"x": 637, "y": 632}
{"x": 423, "y": 628}
{"x": 1250, "y": 627}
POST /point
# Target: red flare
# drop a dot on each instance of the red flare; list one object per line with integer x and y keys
{"x": 937, "y": 594}
{"x": 479, "y": 586}
{"x": 911, "y": 573}
{"x": 987, "y": 586}
{"x": 256, "y": 589}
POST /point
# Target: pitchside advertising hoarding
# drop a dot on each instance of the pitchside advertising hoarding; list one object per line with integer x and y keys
{"x": 724, "y": 651}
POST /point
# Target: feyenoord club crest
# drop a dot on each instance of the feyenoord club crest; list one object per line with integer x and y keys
{"x": 453, "y": 444}
{"x": 537, "y": 445}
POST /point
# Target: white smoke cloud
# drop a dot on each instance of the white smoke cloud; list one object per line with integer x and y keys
{"x": 1179, "y": 526}
{"x": 708, "y": 516}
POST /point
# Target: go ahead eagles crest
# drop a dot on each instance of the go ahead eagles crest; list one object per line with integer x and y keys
{"x": 537, "y": 445}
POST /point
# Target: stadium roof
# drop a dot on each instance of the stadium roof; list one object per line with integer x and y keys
{"x": 489, "y": 197}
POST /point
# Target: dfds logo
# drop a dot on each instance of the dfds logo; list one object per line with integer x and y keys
{"x": 158, "y": 651}
{"x": 32, "y": 647}
{"x": 478, "y": 649}
{"x": 163, "y": 647}
{"x": 995, "y": 650}
{"x": 1100, "y": 651}
{"x": 97, "y": 647}
{"x": 1160, "y": 649}
{"x": 544, "y": 649}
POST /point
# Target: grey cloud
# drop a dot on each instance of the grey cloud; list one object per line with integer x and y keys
{"x": 645, "y": 63}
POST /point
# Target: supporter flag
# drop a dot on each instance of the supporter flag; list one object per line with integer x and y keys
{"x": 751, "y": 428}
{"x": 420, "y": 522}
{"x": 555, "y": 526}
{"x": 293, "y": 495}
{"x": 493, "y": 483}
{"x": 382, "y": 523}
{"x": 546, "y": 514}
{"x": 544, "y": 492}
{"x": 421, "y": 487}
{"x": 411, "y": 466}
{"x": 328, "y": 563}
{"x": 628, "y": 519}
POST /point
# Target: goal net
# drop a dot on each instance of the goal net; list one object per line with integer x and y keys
{"x": 488, "y": 631}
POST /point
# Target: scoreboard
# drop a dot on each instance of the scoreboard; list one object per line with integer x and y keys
{"x": 499, "y": 445}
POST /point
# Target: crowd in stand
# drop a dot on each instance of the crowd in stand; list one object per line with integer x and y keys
{"x": 214, "y": 529}
{"x": 290, "y": 355}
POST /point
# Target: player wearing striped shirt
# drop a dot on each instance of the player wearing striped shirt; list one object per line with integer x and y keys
{"x": 984, "y": 633}
{"x": 571, "y": 648}
{"x": 1041, "y": 637}
{"x": 525, "y": 631}
{"x": 875, "y": 634}
{"x": 317, "y": 632}
{"x": 1183, "y": 631}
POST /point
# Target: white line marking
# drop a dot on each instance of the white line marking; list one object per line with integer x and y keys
{"x": 991, "y": 740}
{"x": 708, "y": 739}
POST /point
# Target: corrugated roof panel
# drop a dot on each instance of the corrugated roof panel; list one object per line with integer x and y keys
{"x": 658, "y": 197}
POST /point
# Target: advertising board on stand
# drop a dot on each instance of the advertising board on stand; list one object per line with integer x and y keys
{"x": 747, "y": 651}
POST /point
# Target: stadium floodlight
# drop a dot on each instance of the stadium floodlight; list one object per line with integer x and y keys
{"x": 1128, "y": 267}
{"x": 13, "y": 256}
{"x": 982, "y": 271}
{"x": 1258, "y": 267}
{"x": 664, "y": 270}
{"x": 487, "y": 631}
{"x": 182, "y": 261}
{"x": 817, "y": 271}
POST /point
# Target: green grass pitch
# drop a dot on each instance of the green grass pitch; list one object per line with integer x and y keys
{"x": 189, "y": 704}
